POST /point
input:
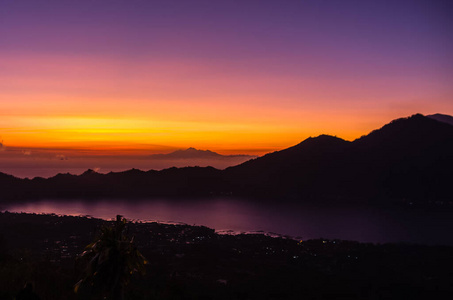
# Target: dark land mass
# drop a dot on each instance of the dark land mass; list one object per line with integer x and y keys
{"x": 192, "y": 153}
{"x": 409, "y": 160}
{"x": 191, "y": 262}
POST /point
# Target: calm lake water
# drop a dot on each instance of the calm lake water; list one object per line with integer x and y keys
{"x": 365, "y": 224}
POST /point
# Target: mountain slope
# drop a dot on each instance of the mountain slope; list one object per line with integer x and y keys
{"x": 442, "y": 118}
{"x": 292, "y": 171}
{"x": 407, "y": 158}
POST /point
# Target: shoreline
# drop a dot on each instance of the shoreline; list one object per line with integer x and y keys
{"x": 195, "y": 262}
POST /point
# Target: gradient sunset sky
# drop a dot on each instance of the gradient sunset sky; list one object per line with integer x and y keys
{"x": 135, "y": 77}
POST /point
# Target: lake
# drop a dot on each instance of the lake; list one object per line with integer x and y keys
{"x": 226, "y": 215}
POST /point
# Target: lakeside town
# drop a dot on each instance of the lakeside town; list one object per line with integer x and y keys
{"x": 194, "y": 262}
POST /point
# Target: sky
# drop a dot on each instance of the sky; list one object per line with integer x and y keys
{"x": 89, "y": 80}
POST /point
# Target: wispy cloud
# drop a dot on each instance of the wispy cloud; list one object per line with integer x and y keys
{"x": 26, "y": 152}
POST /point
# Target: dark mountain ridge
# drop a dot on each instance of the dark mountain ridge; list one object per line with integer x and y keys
{"x": 409, "y": 159}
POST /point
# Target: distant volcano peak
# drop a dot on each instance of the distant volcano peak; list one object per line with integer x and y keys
{"x": 193, "y": 153}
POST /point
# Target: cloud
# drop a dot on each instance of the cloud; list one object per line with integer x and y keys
{"x": 96, "y": 169}
{"x": 26, "y": 152}
{"x": 61, "y": 157}
{"x": 2, "y": 146}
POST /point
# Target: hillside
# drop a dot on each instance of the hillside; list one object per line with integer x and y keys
{"x": 407, "y": 158}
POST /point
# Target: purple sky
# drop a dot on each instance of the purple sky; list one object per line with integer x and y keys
{"x": 230, "y": 76}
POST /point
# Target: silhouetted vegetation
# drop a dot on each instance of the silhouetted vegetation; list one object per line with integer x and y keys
{"x": 110, "y": 261}
{"x": 191, "y": 262}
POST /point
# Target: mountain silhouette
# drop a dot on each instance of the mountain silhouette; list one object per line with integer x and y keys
{"x": 409, "y": 159}
{"x": 290, "y": 170}
{"x": 442, "y": 118}
{"x": 192, "y": 153}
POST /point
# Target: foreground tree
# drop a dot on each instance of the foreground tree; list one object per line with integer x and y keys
{"x": 110, "y": 262}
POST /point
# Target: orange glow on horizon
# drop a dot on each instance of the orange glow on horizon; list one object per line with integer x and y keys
{"x": 102, "y": 105}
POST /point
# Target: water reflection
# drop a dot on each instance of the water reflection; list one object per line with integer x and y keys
{"x": 237, "y": 215}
